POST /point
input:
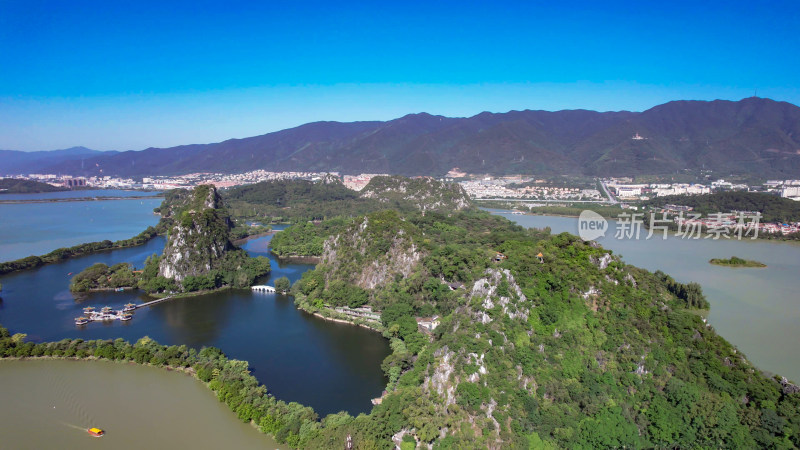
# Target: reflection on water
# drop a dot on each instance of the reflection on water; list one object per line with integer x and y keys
{"x": 758, "y": 310}
{"x": 323, "y": 364}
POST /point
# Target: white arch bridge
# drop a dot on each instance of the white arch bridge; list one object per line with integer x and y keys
{"x": 263, "y": 288}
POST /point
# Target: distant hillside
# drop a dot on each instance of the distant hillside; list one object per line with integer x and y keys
{"x": 16, "y": 162}
{"x": 423, "y": 193}
{"x": 16, "y": 186}
{"x": 755, "y": 136}
{"x": 300, "y": 201}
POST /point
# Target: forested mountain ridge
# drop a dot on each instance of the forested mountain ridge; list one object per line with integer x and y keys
{"x": 17, "y": 162}
{"x": 301, "y": 200}
{"x": 556, "y": 344}
{"x": 755, "y": 136}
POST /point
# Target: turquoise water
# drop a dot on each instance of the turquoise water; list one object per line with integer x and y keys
{"x": 38, "y": 228}
{"x": 79, "y": 194}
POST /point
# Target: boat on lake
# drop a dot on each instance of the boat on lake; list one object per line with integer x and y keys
{"x": 129, "y": 307}
{"x": 81, "y": 321}
{"x": 96, "y": 432}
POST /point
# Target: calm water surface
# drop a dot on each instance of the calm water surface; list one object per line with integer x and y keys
{"x": 79, "y": 194}
{"x": 758, "y": 310}
{"x": 38, "y": 228}
{"x": 323, "y": 364}
{"x": 50, "y": 404}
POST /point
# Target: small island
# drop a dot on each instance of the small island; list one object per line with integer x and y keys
{"x": 198, "y": 256}
{"x": 735, "y": 261}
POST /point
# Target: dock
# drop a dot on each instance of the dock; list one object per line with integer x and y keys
{"x": 106, "y": 314}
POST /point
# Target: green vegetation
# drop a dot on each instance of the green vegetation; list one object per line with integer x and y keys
{"x": 299, "y": 201}
{"x": 61, "y": 254}
{"x": 199, "y": 255}
{"x": 573, "y": 350}
{"x": 236, "y": 270}
{"x": 295, "y": 201}
{"x": 151, "y": 282}
{"x": 735, "y": 261}
{"x": 771, "y": 207}
{"x": 229, "y": 379}
{"x": 305, "y": 239}
{"x": 282, "y": 284}
{"x": 422, "y": 193}
{"x": 543, "y": 341}
{"x": 17, "y": 186}
{"x": 575, "y": 210}
{"x": 569, "y": 209}
{"x": 241, "y": 231}
{"x": 100, "y": 276}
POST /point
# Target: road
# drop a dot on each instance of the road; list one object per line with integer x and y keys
{"x": 611, "y": 198}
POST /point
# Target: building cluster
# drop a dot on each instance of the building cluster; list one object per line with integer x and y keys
{"x": 645, "y": 191}
{"x": 788, "y": 188}
{"x": 358, "y": 182}
{"x": 732, "y": 223}
{"x": 222, "y": 180}
{"x": 521, "y": 188}
{"x": 69, "y": 181}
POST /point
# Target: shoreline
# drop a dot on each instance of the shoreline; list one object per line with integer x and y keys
{"x": 334, "y": 319}
{"x": 318, "y": 313}
{"x": 75, "y": 199}
{"x": 239, "y": 242}
{"x": 298, "y": 259}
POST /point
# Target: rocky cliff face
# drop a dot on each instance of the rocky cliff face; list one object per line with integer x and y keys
{"x": 426, "y": 194}
{"x": 373, "y": 251}
{"x": 199, "y": 237}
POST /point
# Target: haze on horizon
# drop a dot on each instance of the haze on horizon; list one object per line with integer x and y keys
{"x": 108, "y": 75}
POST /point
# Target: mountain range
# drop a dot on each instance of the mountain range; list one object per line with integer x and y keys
{"x": 754, "y": 136}
{"x": 15, "y": 162}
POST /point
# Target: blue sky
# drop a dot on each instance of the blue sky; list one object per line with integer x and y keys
{"x": 130, "y": 75}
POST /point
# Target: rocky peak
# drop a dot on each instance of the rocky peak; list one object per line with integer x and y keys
{"x": 373, "y": 250}
{"x": 198, "y": 238}
{"x": 424, "y": 193}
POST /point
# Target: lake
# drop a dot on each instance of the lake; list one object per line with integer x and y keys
{"x": 298, "y": 357}
{"x": 51, "y": 403}
{"x": 37, "y": 228}
{"x": 757, "y": 310}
